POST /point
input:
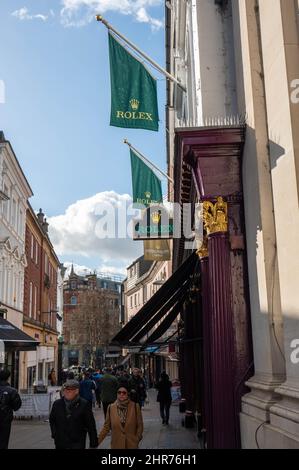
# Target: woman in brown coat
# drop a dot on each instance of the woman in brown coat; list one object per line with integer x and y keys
{"x": 124, "y": 418}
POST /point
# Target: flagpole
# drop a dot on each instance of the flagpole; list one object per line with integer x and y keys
{"x": 148, "y": 161}
{"x": 146, "y": 57}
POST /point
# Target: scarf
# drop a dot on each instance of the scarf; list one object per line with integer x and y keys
{"x": 70, "y": 405}
{"x": 122, "y": 410}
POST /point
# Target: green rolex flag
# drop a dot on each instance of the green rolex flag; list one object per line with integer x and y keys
{"x": 133, "y": 91}
{"x": 147, "y": 188}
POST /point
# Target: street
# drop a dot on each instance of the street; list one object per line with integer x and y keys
{"x": 35, "y": 434}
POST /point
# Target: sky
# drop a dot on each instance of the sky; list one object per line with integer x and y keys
{"x": 56, "y": 109}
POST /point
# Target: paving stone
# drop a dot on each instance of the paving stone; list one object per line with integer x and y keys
{"x": 35, "y": 434}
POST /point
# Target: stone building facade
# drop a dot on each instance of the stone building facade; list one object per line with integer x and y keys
{"x": 16, "y": 190}
{"x": 14, "y": 194}
{"x": 234, "y": 133}
{"x": 144, "y": 278}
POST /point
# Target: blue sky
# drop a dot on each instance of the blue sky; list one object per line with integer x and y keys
{"x": 57, "y": 109}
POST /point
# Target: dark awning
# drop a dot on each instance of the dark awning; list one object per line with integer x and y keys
{"x": 168, "y": 298}
{"x": 165, "y": 324}
{"x": 157, "y": 316}
{"x": 14, "y": 338}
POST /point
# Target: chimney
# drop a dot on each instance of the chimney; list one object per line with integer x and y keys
{"x": 40, "y": 217}
{"x": 45, "y": 226}
{"x": 2, "y": 136}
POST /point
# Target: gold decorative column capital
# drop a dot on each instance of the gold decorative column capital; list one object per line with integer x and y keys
{"x": 215, "y": 216}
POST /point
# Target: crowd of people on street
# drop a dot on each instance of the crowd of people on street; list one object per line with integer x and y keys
{"x": 121, "y": 396}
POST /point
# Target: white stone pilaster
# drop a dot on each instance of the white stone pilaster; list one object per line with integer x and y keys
{"x": 280, "y": 43}
{"x": 266, "y": 316}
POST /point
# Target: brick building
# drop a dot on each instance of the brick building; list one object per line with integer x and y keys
{"x": 91, "y": 317}
{"x": 40, "y": 300}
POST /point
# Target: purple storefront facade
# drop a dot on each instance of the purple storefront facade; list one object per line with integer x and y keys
{"x": 216, "y": 325}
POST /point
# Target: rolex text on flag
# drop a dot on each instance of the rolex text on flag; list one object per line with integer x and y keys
{"x": 133, "y": 91}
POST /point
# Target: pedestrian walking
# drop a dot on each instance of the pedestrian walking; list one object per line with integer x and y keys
{"x": 124, "y": 419}
{"x": 10, "y": 401}
{"x": 87, "y": 386}
{"x": 164, "y": 396}
{"x": 137, "y": 387}
{"x": 71, "y": 418}
{"x": 97, "y": 376}
{"x": 64, "y": 376}
{"x": 109, "y": 387}
{"x": 123, "y": 379}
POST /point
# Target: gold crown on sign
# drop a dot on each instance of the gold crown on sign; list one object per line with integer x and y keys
{"x": 156, "y": 217}
{"x": 134, "y": 104}
{"x": 147, "y": 194}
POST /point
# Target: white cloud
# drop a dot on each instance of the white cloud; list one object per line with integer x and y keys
{"x": 79, "y": 269}
{"x": 82, "y": 229}
{"x": 143, "y": 17}
{"x": 82, "y": 12}
{"x": 23, "y": 14}
{"x": 82, "y": 270}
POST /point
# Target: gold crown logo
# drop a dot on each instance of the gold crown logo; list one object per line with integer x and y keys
{"x": 134, "y": 104}
{"x": 148, "y": 194}
{"x": 156, "y": 217}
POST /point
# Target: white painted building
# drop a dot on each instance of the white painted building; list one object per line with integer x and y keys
{"x": 15, "y": 191}
{"x": 144, "y": 278}
{"x": 14, "y": 194}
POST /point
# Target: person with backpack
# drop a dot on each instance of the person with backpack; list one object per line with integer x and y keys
{"x": 10, "y": 401}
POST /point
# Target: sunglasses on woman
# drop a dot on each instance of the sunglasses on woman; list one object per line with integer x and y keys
{"x": 122, "y": 393}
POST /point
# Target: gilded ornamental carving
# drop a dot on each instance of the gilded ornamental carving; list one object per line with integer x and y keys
{"x": 215, "y": 216}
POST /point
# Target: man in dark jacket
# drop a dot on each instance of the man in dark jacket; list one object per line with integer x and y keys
{"x": 96, "y": 377}
{"x": 109, "y": 386}
{"x": 10, "y": 401}
{"x": 71, "y": 419}
{"x": 86, "y": 387}
{"x": 137, "y": 387}
{"x": 164, "y": 396}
